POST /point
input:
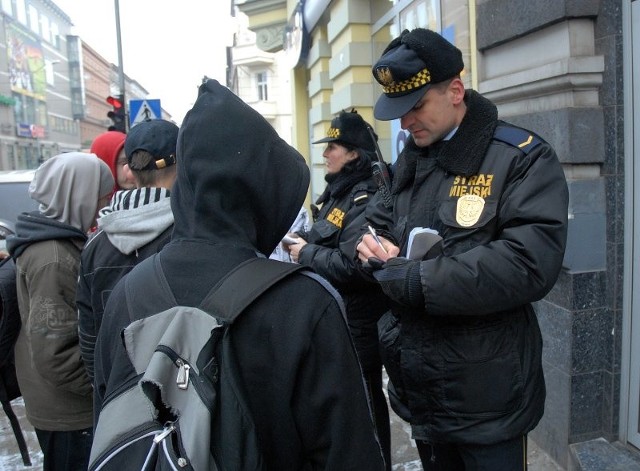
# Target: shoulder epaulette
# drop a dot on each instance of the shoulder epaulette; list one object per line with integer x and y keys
{"x": 360, "y": 197}
{"x": 360, "y": 193}
{"x": 517, "y": 137}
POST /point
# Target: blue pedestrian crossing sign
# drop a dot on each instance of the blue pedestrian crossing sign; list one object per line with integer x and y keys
{"x": 143, "y": 110}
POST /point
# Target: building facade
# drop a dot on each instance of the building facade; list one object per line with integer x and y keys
{"x": 36, "y": 117}
{"x": 99, "y": 80}
{"x": 96, "y": 85}
{"x": 262, "y": 79}
{"x": 565, "y": 70}
{"x": 53, "y": 86}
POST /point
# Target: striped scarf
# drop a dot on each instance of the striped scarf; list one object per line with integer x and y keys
{"x": 130, "y": 199}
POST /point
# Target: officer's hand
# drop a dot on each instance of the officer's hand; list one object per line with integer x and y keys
{"x": 368, "y": 248}
{"x": 399, "y": 278}
{"x": 294, "y": 249}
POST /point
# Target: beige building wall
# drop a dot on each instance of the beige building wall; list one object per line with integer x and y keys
{"x": 262, "y": 80}
{"x": 97, "y": 82}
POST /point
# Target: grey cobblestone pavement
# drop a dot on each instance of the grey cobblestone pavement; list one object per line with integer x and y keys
{"x": 404, "y": 454}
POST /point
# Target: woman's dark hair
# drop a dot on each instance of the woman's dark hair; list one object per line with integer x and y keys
{"x": 364, "y": 160}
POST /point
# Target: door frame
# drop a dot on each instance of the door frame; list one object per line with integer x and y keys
{"x": 629, "y": 430}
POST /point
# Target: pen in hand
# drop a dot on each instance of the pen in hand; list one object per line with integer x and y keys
{"x": 372, "y": 231}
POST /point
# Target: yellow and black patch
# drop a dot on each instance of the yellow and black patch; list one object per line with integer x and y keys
{"x": 390, "y": 87}
{"x": 336, "y": 217}
{"x": 333, "y": 133}
{"x": 476, "y": 185}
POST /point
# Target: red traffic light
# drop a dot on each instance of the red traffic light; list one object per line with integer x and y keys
{"x": 115, "y": 101}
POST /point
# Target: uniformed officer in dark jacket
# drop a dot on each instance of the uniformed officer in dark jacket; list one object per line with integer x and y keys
{"x": 329, "y": 245}
{"x": 463, "y": 349}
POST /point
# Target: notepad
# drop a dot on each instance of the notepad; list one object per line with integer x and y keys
{"x": 421, "y": 240}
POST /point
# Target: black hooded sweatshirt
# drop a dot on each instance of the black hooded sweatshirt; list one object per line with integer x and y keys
{"x": 238, "y": 190}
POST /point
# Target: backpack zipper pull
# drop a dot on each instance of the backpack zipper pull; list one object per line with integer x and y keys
{"x": 183, "y": 374}
{"x": 168, "y": 429}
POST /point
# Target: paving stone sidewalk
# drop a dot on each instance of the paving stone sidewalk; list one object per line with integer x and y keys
{"x": 404, "y": 453}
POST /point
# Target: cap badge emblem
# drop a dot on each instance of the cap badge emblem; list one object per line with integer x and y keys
{"x": 384, "y": 76}
{"x": 333, "y": 133}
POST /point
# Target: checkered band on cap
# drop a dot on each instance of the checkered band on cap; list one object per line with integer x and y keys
{"x": 333, "y": 133}
{"x": 419, "y": 80}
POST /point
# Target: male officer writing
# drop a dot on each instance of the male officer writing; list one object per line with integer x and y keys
{"x": 463, "y": 347}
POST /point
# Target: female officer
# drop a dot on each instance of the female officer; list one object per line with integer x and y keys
{"x": 329, "y": 245}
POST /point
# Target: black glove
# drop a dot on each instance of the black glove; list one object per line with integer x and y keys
{"x": 399, "y": 278}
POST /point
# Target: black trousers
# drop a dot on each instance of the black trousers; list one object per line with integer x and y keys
{"x": 506, "y": 456}
{"x": 65, "y": 451}
{"x": 380, "y": 410}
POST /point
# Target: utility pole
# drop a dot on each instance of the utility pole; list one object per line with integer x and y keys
{"x": 120, "y": 66}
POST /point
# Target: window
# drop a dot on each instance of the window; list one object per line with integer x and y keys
{"x": 21, "y": 11}
{"x": 6, "y": 7}
{"x": 55, "y": 36}
{"x": 49, "y": 72}
{"x": 261, "y": 82}
{"x": 44, "y": 25}
{"x": 34, "y": 22}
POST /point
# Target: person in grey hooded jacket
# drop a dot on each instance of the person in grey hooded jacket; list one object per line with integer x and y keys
{"x": 136, "y": 223}
{"x": 70, "y": 188}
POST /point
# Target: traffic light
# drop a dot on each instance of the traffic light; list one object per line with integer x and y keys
{"x": 118, "y": 114}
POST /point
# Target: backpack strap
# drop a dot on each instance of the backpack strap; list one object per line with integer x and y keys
{"x": 329, "y": 287}
{"x": 234, "y": 292}
{"x": 149, "y": 269}
{"x": 243, "y": 285}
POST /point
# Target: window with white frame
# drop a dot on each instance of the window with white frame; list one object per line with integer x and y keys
{"x": 34, "y": 21}
{"x": 262, "y": 86}
{"x": 44, "y": 26}
{"x": 49, "y": 72}
{"x": 21, "y": 11}
{"x": 6, "y": 7}
{"x": 55, "y": 36}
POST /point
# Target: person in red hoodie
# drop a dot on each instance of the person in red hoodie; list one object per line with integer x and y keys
{"x": 109, "y": 147}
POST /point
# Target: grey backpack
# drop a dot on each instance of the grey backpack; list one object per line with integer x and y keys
{"x": 186, "y": 408}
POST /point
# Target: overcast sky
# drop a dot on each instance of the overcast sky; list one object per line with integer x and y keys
{"x": 167, "y": 45}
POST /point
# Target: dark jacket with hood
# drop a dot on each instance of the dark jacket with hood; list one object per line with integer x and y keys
{"x": 136, "y": 224}
{"x": 470, "y": 359}
{"x": 331, "y": 241}
{"x": 9, "y": 330}
{"x": 239, "y": 188}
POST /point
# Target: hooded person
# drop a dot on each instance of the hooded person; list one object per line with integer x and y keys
{"x": 136, "y": 223}
{"x": 238, "y": 190}
{"x": 109, "y": 147}
{"x": 46, "y": 248}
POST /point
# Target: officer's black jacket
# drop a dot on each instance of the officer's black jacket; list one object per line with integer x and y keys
{"x": 331, "y": 241}
{"x": 471, "y": 358}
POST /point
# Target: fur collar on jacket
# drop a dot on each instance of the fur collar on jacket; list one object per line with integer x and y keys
{"x": 464, "y": 152}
